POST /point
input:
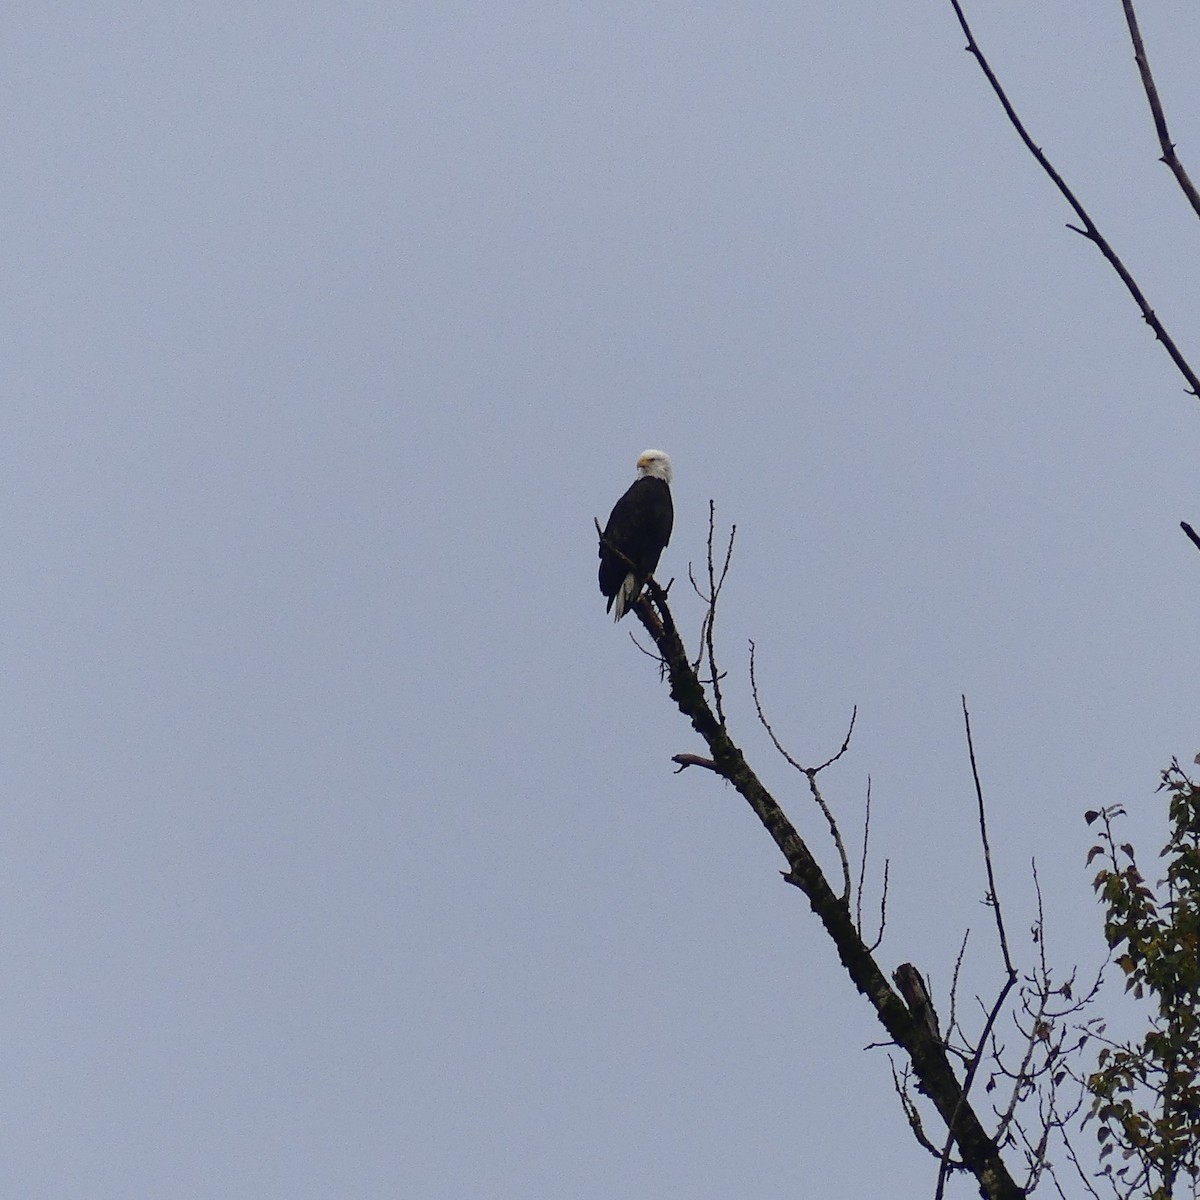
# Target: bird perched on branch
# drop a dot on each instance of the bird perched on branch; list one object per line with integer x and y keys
{"x": 638, "y": 530}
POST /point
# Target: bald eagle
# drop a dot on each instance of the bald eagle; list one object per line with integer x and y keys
{"x": 638, "y": 528}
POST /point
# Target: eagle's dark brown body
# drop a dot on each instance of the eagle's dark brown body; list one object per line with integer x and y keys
{"x": 639, "y": 528}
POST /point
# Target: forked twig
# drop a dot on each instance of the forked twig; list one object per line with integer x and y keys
{"x": 862, "y": 879}
{"x": 811, "y": 773}
{"x": 715, "y": 585}
{"x": 714, "y": 590}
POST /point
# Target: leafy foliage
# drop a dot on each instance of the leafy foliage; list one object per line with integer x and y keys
{"x": 1146, "y": 1092}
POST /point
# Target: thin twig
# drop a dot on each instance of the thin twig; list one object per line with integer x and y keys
{"x": 1156, "y": 110}
{"x": 714, "y": 590}
{"x": 1089, "y": 229}
{"x": 1010, "y": 971}
{"x": 613, "y": 550}
{"x": 844, "y": 747}
{"x": 993, "y": 898}
{"x": 862, "y": 872}
{"x": 911, "y": 1112}
{"x": 958, "y": 962}
{"x": 1074, "y": 1157}
{"x": 969, "y": 1079}
{"x": 1192, "y": 534}
{"x": 1040, "y": 923}
{"x": 710, "y": 611}
{"x": 887, "y": 864}
{"x": 658, "y": 658}
{"x": 1021, "y": 1076}
{"x": 810, "y": 773}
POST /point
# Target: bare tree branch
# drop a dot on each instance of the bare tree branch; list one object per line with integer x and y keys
{"x": 931, "y": 1068}
{"x": 993, "y": 898}
{"x": 862, "y": 874}
{"x": 883, "y": 895}
{"x": 969, "y": 1079}
{"x": 862, "y": 870}
{"x": 1010, "y": 971}
{"x": 1088, "y": 229}
{"x": 1073, "y": 1155}
{"x": 1156, "y": 110}
{"x": 958, "y": 962}
{"x": 911, "y": 1112}
{"x": 715, "y": 584}
{"x": 811, "y": 773}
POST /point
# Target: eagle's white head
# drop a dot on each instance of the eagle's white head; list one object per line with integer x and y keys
{"x": 656, "y": 463}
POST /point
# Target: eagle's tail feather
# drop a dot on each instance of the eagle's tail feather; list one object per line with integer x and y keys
{"x": 626, "y": 594}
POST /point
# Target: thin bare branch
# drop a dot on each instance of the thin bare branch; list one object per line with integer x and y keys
{"x": 714, "y": 590}
{"x": 1088, "y": 229}
{"x": 883, "y": 895}
{"x": 1081, "y": 1173}
{"x": 911, "y": 1112}
{"x": 613, "y": 549}
{"x": 813, "y": 787}
{"x": 720, "y": 583}
{"x": 810, "y": 773}
{"x": 646, "y": 650}
{"x": 1039, "y": 925}
{"x": 862, "y": 870}
{"x": 993, "y": 898}
{"x": 845, "y": 745}
{"x": 1010, "y": 971}
{"x": 1022, "y": 1077}
{"x": 958, "y": 962}
{"x": 710, "y": 597}
{"x": 1192, "y": 534}
{"x": 969, "y": 1079}
{"x": 1156, "y": 110}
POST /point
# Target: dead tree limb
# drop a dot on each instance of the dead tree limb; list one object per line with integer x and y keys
{"x": 927, "y": 1056}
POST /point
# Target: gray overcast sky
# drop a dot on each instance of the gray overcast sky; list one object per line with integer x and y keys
{"x": 341, "y": 853}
